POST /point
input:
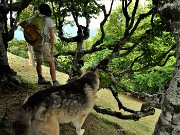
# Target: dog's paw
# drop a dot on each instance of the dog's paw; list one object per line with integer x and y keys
{"x": 81, "y": 132}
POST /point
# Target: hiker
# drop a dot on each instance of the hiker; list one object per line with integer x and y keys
{"x": 44, "y": 24}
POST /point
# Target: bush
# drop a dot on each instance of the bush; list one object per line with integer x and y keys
{"x": 18, "y": 48}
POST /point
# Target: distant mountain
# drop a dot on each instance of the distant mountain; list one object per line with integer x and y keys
{"x": 19, "y": 34}
{"x": 69, "y": 30}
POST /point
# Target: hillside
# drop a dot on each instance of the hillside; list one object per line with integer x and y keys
{"x": 96, "y": 124}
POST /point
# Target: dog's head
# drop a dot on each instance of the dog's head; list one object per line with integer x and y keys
{"x": 92, "y": 79}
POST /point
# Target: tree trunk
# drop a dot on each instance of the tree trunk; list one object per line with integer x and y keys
{"x": 169, "y": 120}
{"x": 8, "y": 79}
{"x": 3, "y": 53}
{"x": 78, "y": 62}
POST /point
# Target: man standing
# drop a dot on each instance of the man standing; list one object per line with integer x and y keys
{"x": 45, "y": 25}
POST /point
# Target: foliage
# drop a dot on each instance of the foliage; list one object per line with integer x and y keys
{"x": 150, "y": 43}
{"x": 66, "y": 63}
{"x": 153, "y": 79}
{"x": 95, "y": 58}
{"x": 18, "y": 48}
{"x": 105, "y": 79}
{"x": 65, "y": 60}
{"x": 27, "y": 12}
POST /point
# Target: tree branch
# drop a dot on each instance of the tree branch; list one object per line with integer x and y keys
{"x": 132, "y": 18}
{"x": 125, "y": 12}
{"x": 151, "y": 100}
{"x": 135, "y": 116}
{"x": 159, "y": 62}
{"x": 17, "y": 6}
{"x": 120, "y": 105}
{"x": 106, "y": 15}
{"x": 127, "y": 36}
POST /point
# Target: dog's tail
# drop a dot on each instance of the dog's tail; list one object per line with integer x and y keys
{"x": 21, "y": 122}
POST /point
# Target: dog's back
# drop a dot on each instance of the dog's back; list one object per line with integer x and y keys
{"x": 71, "y": 102}
{"x": 79, "y": 99}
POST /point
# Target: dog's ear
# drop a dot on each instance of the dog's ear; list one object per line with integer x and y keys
{"x": 93, "y": 68}
{"x": 92, "y": 79}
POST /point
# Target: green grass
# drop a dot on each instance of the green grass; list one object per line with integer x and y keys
{"x": 96, "y": 123}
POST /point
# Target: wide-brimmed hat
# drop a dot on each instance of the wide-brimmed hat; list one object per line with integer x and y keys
{"x": 31, "y": 35}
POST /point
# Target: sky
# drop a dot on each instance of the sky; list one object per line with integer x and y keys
{"x": 94, "y": 24}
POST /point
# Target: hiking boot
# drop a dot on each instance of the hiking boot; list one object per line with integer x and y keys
{"x": 56, "y": 83}
{"x": 41, "y": 80}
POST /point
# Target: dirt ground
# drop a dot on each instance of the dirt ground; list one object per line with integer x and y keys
{"x": 10, "y": 101}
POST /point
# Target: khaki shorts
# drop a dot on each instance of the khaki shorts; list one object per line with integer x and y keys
{"x": 43, "y": 51}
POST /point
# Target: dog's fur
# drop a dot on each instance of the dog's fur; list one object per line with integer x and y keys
{"x": 72, "y": 102}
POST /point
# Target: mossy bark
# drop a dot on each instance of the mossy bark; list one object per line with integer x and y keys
{"x": 169, "y": 120}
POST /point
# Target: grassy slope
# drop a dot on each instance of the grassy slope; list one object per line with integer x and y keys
{"x": 96, "y": 123}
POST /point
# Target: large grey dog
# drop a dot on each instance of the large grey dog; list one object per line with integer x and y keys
{"x": 44, "y": 110}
